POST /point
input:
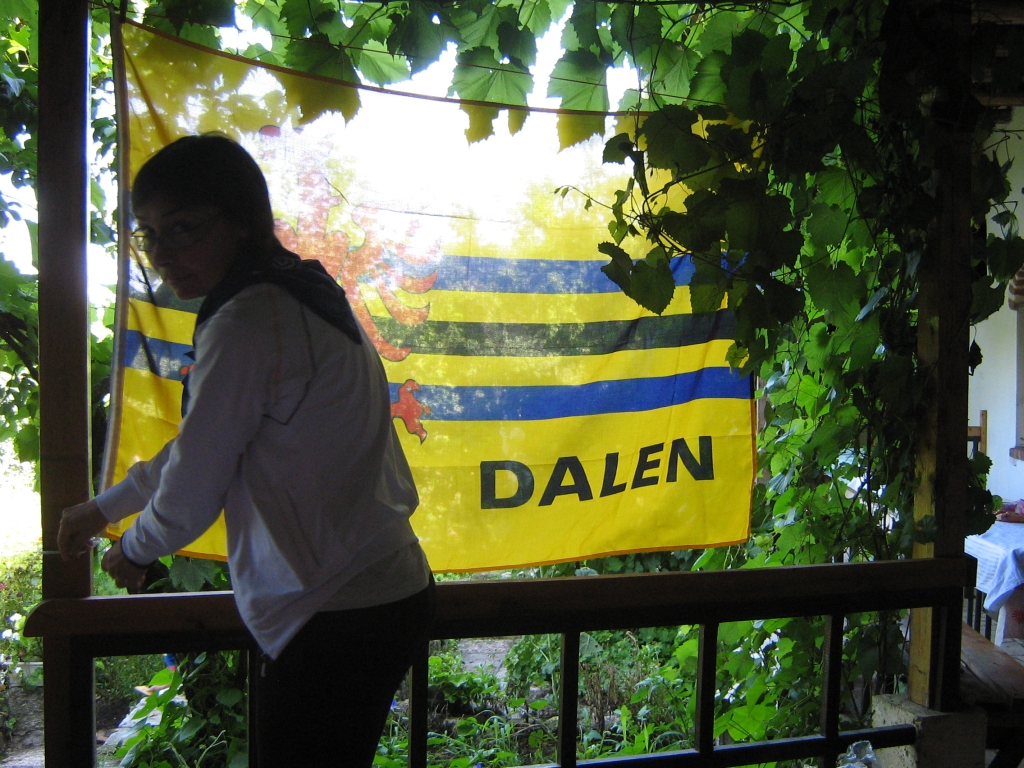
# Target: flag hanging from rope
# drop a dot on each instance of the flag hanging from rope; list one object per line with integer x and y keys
{"x": 546, "y": 416}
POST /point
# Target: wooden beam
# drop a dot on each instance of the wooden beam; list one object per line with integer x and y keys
{"x": 998, "y": 12}
{"x": 64, "y": 397}
{"x": 537, "y": 606}
{"x": 943, "y": 337}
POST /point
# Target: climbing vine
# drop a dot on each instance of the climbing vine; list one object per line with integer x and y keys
{"x": 793, "y": 149}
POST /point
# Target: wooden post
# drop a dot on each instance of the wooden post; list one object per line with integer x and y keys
{"x": 64, "y": 397}
{"x": 943, "y": 341}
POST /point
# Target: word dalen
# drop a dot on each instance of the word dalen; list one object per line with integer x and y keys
{"x": 569, "y": 478}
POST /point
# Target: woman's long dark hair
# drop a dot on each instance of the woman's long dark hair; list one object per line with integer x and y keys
{"x": 213, "y": 170}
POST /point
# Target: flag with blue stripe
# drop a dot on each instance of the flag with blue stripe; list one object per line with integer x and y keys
{"x": 546, "y": 416}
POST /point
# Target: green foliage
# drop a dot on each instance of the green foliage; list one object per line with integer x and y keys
{"x": 210, "y": 730}
{"x": 20, "y": 590}
{"x": 796, "y": 151}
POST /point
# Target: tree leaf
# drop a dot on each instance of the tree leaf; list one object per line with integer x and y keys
{"x": 310, "y": 96}
{"x": 827, "y": 224}
{"x": 719, "y": 31}
{"x": 671, "y": 142}
{"x": 301, "y": 16}
{"x": 483, "y": 32}
{"x": 652, "y": 286}
{"x": 519, "y": 45}
{"x": 191, "y": 574}
{"x": 481, "y": 121}
{"x": 636, "y": 28}
{"x": 580, "y": 79}
{"x": 575, "y": 129}
{"x": 214, "y": 13}
{"x": 707, "y": 84}
{"x": 379, "y": 66}
{"x": 617, "y": 148}
{"x": 742, "y": 224}
{"x": 783, "y": 301}
{"x": 580, "y": 32}
{"x": 672, "y": 67}
{"x": 479, "y": 77}
{"x": 517, "y": 119}
{"x": 835, "y": 289}
{"x": 417, "y": 37}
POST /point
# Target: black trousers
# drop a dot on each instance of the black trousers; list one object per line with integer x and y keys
{"x": 324, "y": 700}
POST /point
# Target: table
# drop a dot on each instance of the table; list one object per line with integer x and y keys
{"x": 1000, "y": 555}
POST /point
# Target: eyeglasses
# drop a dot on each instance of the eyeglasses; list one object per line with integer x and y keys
{"x": 179, "y": 236}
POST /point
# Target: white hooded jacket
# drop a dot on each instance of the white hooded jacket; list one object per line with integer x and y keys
{"x": 289, "y": 431}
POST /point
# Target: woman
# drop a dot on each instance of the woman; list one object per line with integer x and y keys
{"x": 286, "y": 427}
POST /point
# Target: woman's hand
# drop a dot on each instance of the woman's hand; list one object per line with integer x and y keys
{"x": 79, "y": 525}
{"x": 125, "y": 573}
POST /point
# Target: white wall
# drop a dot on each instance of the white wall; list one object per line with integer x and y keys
{"x": 994, "y": 384}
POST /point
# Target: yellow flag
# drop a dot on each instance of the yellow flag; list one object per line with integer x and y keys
{"x": 546, "y": 416}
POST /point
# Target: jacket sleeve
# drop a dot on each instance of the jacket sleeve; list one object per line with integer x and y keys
{"x": 229, "y": 390}
{"x": 133, "y": 493}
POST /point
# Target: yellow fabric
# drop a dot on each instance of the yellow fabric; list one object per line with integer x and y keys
{"x": 512, "y": 358}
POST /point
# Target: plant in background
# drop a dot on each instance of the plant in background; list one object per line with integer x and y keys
{"x": 201, "y": 720}
{"x": 793, "y": 150}
{"x": 20, "y": 590}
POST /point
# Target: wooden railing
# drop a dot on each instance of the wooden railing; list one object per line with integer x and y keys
{"x": 106, "y": 626}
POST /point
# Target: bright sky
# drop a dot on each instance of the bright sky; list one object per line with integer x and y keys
{"x": 15, "y": 244}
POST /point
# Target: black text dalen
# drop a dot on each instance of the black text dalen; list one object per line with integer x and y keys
{"x": 568, "y": 477}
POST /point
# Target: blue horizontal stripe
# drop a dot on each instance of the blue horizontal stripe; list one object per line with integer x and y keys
{"x": 599, "y": 397}
{"x": 164, "y": 358}
{"x": 491, "y": 275}
{"x": 458, "y": 273}
{"x": 168, "y": 359}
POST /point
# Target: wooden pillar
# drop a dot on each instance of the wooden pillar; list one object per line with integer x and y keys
{"x": 943, "y": 342}
{"x": 64, "y": 397}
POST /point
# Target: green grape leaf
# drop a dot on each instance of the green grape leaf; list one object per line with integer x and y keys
{"x": 483, "y": 33}
{"x": 674, "y": 68}
{"x": 519, "y": 45}
{"x": 707, "y": 84}
{"x": 580, "y": 79}
{"x": 417, "y": 37}
{"x": 635, "y": 28}
{"x": 827, "y": 224}
{"x": 783, "y": 301}
{"x": 580, "y": 32}
{"x": 191, "y": 574}
{"x": 835, "y": 289}
{"x": 617, "y": 148}
{"x": 301, "y": 16}
{"x": 671, "y": 142}
{"x": 719, "y": 31}
{"x": 481, "y": 121}
{"x": 479, "y": 77}
{"x": 707, "y": 286}
{"x": 265, "y": 15}
{"x": 536, "y": 15}
{"x": 378, "y": 65}
{"x": 652, "y": 286}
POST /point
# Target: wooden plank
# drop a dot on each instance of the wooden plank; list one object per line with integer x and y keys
{"x": 993, "y": 676}
{"x": 943, "y": 341}
{"x": 64, "y": 395}
{"x": 568, "y": 699}
{"x": 831, "y": 671}
{"x": 61, "y": 188}
{"x": 534, "y": 606}
{"x": 707, "y": 677}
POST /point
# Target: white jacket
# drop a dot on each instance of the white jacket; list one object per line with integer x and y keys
{"x": 289, "y": 431}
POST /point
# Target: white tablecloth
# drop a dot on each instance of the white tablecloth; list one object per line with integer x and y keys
{"x": 1000, "y": 555}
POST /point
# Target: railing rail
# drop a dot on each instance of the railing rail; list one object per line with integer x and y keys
{"x": 125, "y": 625}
